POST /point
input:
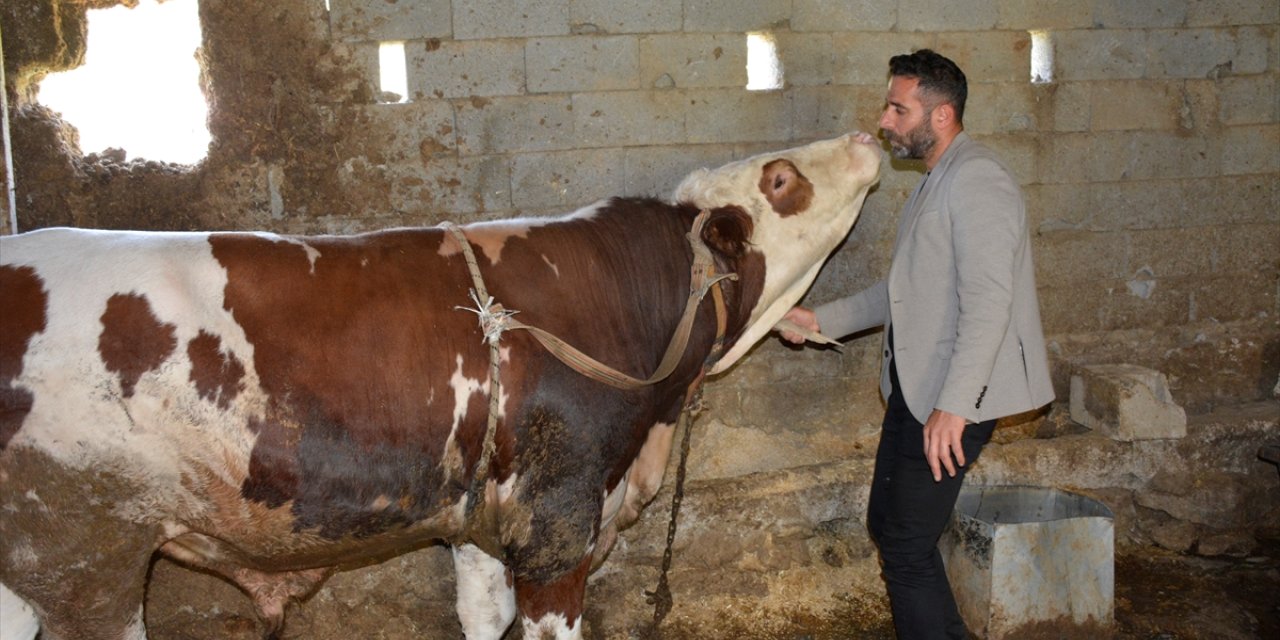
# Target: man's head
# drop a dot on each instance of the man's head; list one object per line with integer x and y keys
{"x": 924, "y": 105}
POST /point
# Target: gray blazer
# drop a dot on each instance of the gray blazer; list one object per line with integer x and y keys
{"x": 960, "y": 296}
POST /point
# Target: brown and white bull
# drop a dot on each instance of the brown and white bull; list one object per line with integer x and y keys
{"x": 271, "y": 407}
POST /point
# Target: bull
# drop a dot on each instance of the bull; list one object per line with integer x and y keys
{"x": 270, "y": 407}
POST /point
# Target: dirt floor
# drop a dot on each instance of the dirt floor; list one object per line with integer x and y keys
{"x": 1165, "y": 596}
{"x": 1159, "y": 596}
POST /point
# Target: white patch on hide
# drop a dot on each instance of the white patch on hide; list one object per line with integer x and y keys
{"x": 554, "y": 269}
{"x": 486, "y": 600}
{"x": 552, "y": 625}
{"x": 18, "y": 620}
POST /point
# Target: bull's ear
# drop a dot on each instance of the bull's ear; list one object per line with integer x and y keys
{"x": 728, "y": 230}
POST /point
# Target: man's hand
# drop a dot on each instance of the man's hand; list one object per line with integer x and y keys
{"x": 803, "y": 318}
{"x": 942, "y": 441}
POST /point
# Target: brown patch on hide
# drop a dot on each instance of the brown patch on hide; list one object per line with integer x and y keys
{"x": 563, "y": 595}
{"x": 24, "y": 317}
{"x": 786, "y": 189}
{"x": 216, "y": 374}
{"x": 133, "y": 341}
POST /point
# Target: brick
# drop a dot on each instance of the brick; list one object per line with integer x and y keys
{"x": 628, "y": 118}
{"x": 404, "y": 133}
{"x": 610, "y": 16}
{"x": 1018, "y": 152}
{"x": 1139, "y": 14}
{"x": 527, "y": 123}
{"x": 582, "y": 63}
{"x": 354, "y": 66}
{"x": 863, "y": 58}
{"x": 513, "y": 19}
{"x": 1126, "y": 105}
{"x": 989, "y": 56}
{"x": 1126, "y": 402}
{"x": 1220, "y": 299}
{"x": 1245, "y": 248}
{"x": 824, "y": 112}
{"x": 842, "y": 15}
{"x": 1149, "y": 250}
{"x": 947, "y": 15}
{"x": 1142, "y": 155}
{"x": 1100, "y": 55}
{"x": 474, "y": 184}
{"x": 1067, "y": 158}
{"x": 1137, "y": 204}
{"x": 725, "y": 115}
{"x": 697, "y": 60}
{"x": 1251, "y": 149}
{"x": 807, "y": 59}
{"x": 735, "y": 16}
{"x": 655, "y": 171}
{"x": 465, "y": 68}
{"x": 1248, "y": 100}
{"x": 1200, "y": 107}
{"x": 1073, "y": 257}
{"x": 1211, "y": 53}
{"x": 1037, "y": 14}
{"x": 566, "y": 179}
{"x": 1069, "y": 106}
{"x": 363, "y": 20}
{"x": 1232, "y": 200}
{"x": 1000, "y": 108}
{"x": 1210, "y": 13}
{"x": 1058, "y": 207}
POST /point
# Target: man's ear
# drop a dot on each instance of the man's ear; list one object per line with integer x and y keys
{"x": 944, "y": 115}
{"x": 728, "y": 230}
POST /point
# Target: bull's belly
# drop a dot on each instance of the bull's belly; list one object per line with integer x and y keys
{"x": 274, "y": 551}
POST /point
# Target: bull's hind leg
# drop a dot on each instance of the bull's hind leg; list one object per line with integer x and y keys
{"x": 70, "y": 548}
{"x": 84, "y": 589}
{"x": 486, "y": 597}
{"x": 554, "y": 609}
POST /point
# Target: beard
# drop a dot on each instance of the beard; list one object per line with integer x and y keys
{"x": 914, "y": 144}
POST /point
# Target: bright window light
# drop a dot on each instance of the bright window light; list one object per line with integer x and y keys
{"x": 1041, "y": 57}
{"x": 764, "y": 70}
{"x": 139, "y": 88}
{"x": 393, "y": 75}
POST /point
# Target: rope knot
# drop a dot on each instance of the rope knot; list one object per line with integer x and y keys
{"x": 492, "y": 317}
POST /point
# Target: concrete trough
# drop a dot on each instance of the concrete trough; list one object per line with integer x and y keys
{"x": 1025, "y": 561}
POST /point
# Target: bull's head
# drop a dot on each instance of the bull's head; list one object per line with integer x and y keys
{"x": 802, "y": 203}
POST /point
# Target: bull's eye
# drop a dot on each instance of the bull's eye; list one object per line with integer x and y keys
{"x": 779, "y": 181}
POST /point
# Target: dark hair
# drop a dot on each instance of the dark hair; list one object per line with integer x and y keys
{"x": 939, "y": 77}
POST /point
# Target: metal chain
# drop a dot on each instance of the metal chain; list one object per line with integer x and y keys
{"x": 660, "y": 597}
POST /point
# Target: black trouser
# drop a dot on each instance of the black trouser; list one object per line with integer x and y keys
{"x": 906, "y": 514}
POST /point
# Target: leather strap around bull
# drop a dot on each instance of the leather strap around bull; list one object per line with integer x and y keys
{"x": 494, "y": 319}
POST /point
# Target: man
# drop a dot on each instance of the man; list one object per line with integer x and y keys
{"x": 963, "y": 344}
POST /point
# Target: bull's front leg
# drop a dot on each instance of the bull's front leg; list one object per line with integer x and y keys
{"x": 486, "y": 596}
{"x": 553, "y": 609}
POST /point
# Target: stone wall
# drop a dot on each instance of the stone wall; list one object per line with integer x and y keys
{"x": 1150, "y": 162}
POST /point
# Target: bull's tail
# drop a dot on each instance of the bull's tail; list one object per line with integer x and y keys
{"x": 18, "y": 620}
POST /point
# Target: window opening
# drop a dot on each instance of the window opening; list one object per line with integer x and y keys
{"x": 764, "y": 70}
{"x": 1041, "y": 57}
{"x": 393, "y": 73}
{"x": 139, "y": 87}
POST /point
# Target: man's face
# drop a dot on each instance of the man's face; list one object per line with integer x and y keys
{"x": 905, "y": 122}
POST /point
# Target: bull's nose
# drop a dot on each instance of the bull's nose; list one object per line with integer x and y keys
{"x": 865, "y": 138}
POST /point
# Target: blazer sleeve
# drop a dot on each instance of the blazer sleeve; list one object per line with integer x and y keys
{"x": 988, "y": 222}
{"x": 863, "y": 310}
